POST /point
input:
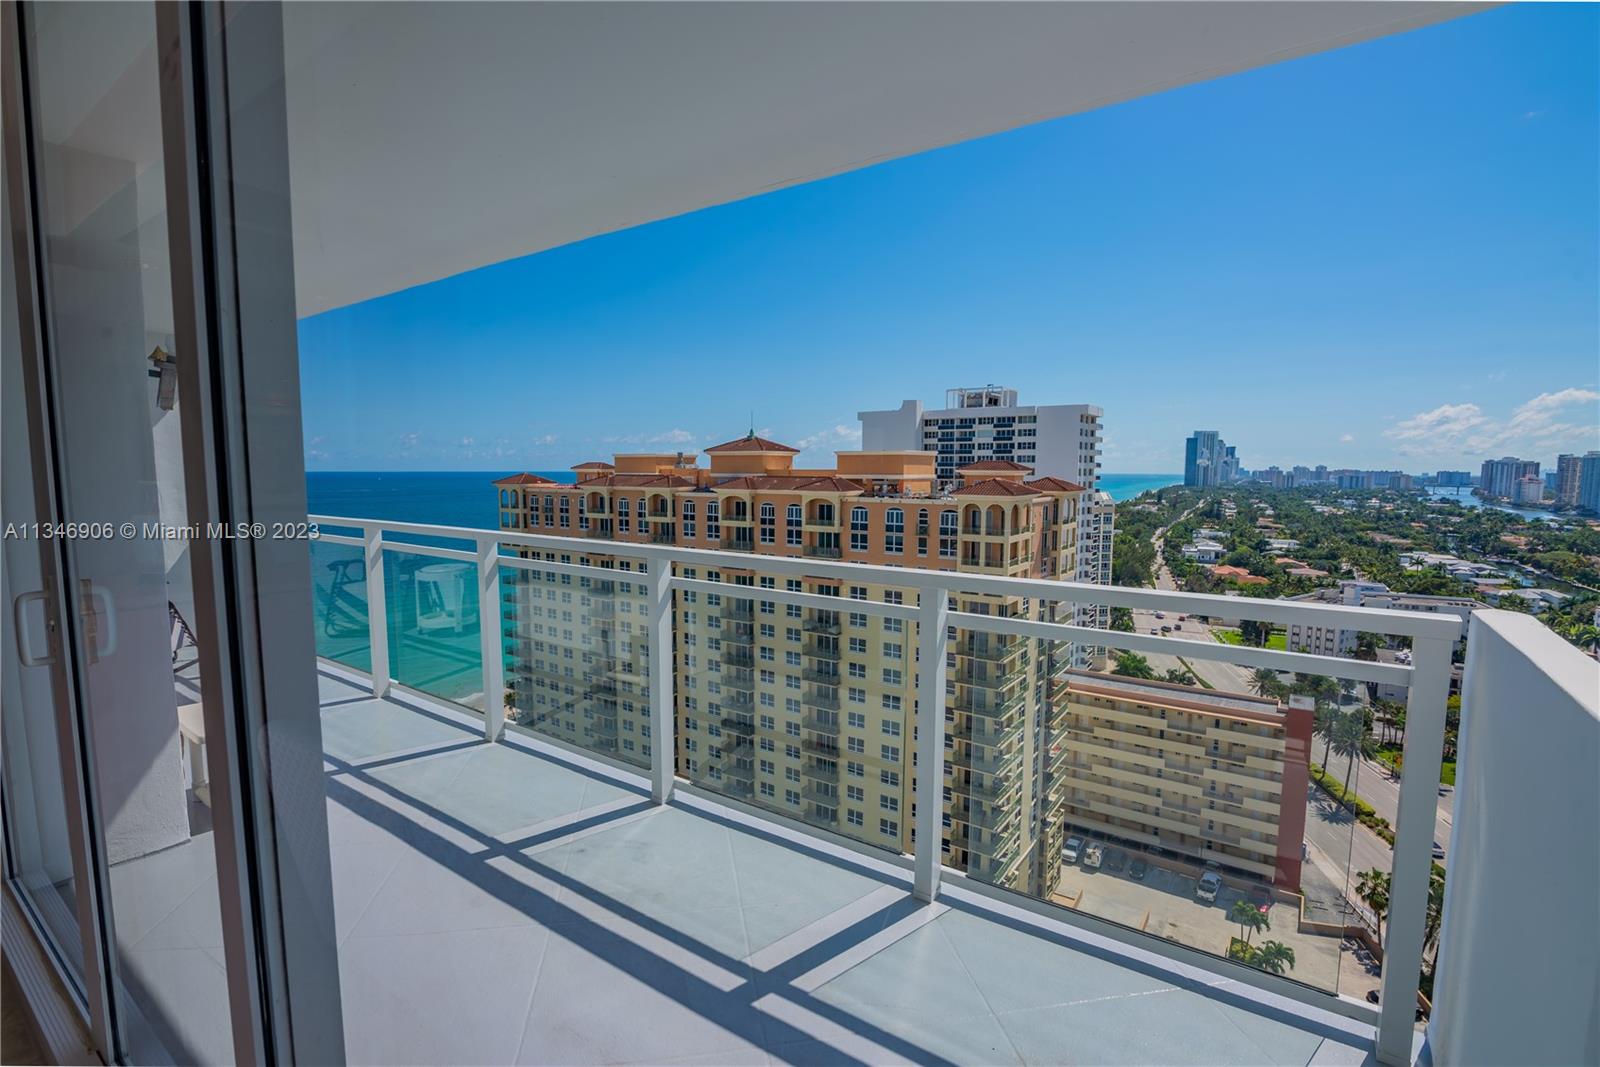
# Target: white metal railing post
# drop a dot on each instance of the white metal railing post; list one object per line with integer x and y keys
{"x": 663, "y": 742}
{"x": 490, "y": 639}
{"x": 932, "y": 639}
{"x": 377, "y": 613}
{"x": 1413, "y": 852}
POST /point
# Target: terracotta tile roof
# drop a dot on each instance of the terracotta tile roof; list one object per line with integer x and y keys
{"x": 525, "y": 479}
{"x": 790, "y": 481}
{"x": 1052, "y": 484}
{"x": 594, "y": 465}
{"x": 995, "y": 487}
{"x": 994, "y": 465}
{"x": 751, "y": 443}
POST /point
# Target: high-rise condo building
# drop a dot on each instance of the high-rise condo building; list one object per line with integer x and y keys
{"x": 1454, "y": 478}
{"x": 1208, "y": 460}
{"x": 1569, "y": 479}
{"x": 1530, "y": 489}
{"x": 988, "y": 423}
{"x": 1589, "y": 483}
{"x": 1500, "y": 477}
{"x": 809, "y": 710}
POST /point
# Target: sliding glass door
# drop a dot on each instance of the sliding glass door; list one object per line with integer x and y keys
{"x": 138, "y": 685}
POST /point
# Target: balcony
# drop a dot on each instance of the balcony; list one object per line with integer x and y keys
{"x": 989, "y": 822}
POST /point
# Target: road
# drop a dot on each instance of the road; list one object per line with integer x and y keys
{"x": 1374, "y": 783}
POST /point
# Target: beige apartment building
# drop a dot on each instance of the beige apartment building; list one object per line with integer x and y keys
{"x": 1206, "y": 776}
{"x": 807, "y": 711}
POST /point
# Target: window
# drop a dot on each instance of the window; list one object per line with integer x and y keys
{"x": 858, "y": 529}
{"x": 894, "y": 531}
{"x": 769, "y": 524}
{"x": 889, "y": 828}
{"x": 713, "y": 520}
{"x": 947, "y": 534}
{"x": 688, "y": 518}
{"x": 622, "y": 515}
{"x": 793, "y": 534}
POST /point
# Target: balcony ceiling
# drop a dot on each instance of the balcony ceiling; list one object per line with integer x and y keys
{"x": 430, "y": 139}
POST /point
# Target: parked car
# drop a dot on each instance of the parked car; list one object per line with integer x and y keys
{"x": 1209, "y": 885}
{"x": 1166, "y": 629}
{"x": 1154, "y": 630}
{"x": 1161, "y": 614}
{"x": 1138, "y": 868}
{"x": 1070, "y": 851}
{"x": 1261, "y": 897}
{"x": 1091, "y": 855}
{"x": 1116, "y": 859}
{"x": 1438, "y": 851}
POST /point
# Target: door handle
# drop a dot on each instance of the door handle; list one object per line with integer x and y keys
{"x": 24, "y": 641}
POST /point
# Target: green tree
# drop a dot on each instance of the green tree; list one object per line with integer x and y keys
{"x": 1273, "y": 957}
{"x": 1351, "y": 740}
{"x": 1372, "y": 886}
{"x": 1325, "y": 720}
{"x": 1181, "y": 677}
{"x": 1122, "y": 619}
{"x": 1264, "y": 682}
{"x": 1249, "y": 917}
{"x": 1133, "y": 665}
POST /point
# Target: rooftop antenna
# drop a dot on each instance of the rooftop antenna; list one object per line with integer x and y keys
{"x": 751, "y": 435}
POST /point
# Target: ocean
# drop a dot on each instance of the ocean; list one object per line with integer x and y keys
{"x": 467, "y": 498}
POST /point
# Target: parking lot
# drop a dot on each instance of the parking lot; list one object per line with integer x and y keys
{"x": 1163, "y": 904}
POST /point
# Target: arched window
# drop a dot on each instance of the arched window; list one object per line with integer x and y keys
{"x": 894, "y": 531}
{"x": 858, "y": 529}
{"x": 793, "y": 518}
{"x": 769, "y": 523}
{"x": 948, "y": 527}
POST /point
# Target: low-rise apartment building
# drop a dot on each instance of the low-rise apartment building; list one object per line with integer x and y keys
{"x": 1336, "y": 641}
{"x": 1204, "y": 775}
{"x": 806, "y": 710}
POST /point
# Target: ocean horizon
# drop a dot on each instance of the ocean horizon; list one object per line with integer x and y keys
{"x": 467, "y": 498}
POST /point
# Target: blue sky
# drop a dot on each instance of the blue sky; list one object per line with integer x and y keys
{"x": 1383, "y": 256}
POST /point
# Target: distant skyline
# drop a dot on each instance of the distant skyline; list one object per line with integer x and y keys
{"x": 1386, "y": 256}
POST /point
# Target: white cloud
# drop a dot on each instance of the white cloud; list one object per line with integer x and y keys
{"x": 1548, "y": 421}
{"x": 1345, "y": 439}
{"x": 834, "y": 437}
{"x": 545, "y": 439}
{"x": 666, "y": 437}
{"x": 410, "y": 440}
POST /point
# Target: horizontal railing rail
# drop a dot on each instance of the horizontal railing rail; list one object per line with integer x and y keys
{"x": 1433, "y": 639}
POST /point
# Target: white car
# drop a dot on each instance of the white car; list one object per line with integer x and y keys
{"x": 1208, "y": 886}
{"x": 1069, "y": 851}
{"x": 1091, "y": 855}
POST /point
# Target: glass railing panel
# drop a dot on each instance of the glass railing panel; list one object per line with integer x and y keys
{"x": 434, "y": 626}
{"x": 339, "y": 601}
{"x": 800, "y": 710}
{"x": 577, "y": 655}
{"x": 1169, "y": 794}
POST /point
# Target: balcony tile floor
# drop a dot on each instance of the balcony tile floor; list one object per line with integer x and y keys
{"x": 515, "y": 903}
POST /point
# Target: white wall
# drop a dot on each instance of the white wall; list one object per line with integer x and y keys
{"x": 898, "y": 429}
{"x": 1519, "y": 961}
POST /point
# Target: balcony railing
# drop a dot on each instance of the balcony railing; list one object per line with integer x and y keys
{"x": 995, "y": 814}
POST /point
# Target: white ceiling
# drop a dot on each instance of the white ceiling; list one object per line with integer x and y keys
{"x": 429, "y": 139}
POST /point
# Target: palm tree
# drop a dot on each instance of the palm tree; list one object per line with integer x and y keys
{"x": 1249, "y": 917}
{"x": 1351, "y": 740}
{"x": 1373, "y": 888}
{"x": 1327, "y": 718}
{"x": 1274, "y": 957}
{"x": 1264, "y": 681}
{"x": 1133, "y": 665}
{"x": 1434, "y": 917}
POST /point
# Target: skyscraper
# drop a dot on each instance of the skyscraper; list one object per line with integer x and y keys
{"x": 1589, "y": 483}
{"x": 1500, "y": 477}
{"x": 1209, "y": 460}
{"x": 1569, "y": 478}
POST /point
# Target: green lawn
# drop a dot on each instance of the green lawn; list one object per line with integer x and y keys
{"x": 1395, "y": 758}
{"x": 1232, "y": 637}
